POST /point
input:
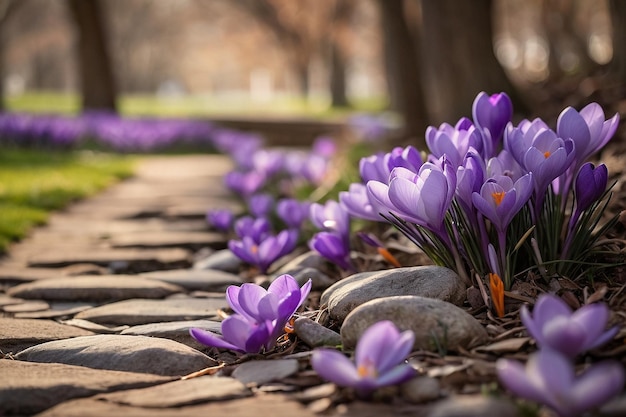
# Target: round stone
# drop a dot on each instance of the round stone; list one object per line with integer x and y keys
{"x": 438, "y": 325}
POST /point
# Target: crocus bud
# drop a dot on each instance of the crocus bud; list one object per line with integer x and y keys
{"x": 590, "y": 184}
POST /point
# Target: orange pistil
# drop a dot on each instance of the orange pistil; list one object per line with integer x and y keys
{"x": 389, "y": 257}
{"x": 498, "y": 197}
{"x": 367, "y": 370}
{"x": 546, "y": 154}
{"x": 254, "y": 249}
{"x": 497, "y": 293}
{"x": 289, "y": 326}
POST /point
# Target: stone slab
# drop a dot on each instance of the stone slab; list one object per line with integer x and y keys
{"x": 181, "y": 393}
{"x": 172, "y": 239}
{"x": 94, "y": 288}
{"x": 175, "y": 330}
{"x": 142, "y": 354}
{"x": 28, "y": 388}
{"x": 196, "y": 279}
{"x": 139, "y": 260}
{"x": 19, "y": 334}
{"x": 136, "y": 311}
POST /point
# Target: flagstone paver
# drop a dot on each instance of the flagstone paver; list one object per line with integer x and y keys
{"x": 19, "y": 334}
{"x": 196, "y": 279}
{"x": 140, "y": 311}
{"x": 142, "y": 354}
{"x": 27, "y": 388}
{"x": 95, "y": 288}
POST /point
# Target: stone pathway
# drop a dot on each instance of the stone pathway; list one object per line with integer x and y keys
{"x": 96, "y": 307}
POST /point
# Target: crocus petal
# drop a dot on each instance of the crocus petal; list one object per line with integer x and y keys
{"x": 396, "y": 351}
{"x": 549, "y": 306}
{"x": 334, "y": 366}
{"x": 211, "y": 339}
{"x": 236, "y": 330}
{"x": 259, "y": 337}
{"x": 564, "y": 336}
{"x": 512, "y": 375}
{"x": 597, "y": 385}
{"x": 288, "y": 306}
{"x": 283, "y": 285}
{"x": 555, "y": 371}
{"x": 268, "y": 307}
{"x": 396, "y": 375}
{"x": 249, "y": 297}
{"x": 373, "y": 343}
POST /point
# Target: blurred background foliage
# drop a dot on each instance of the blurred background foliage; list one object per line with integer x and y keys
{"x": 424, "y": 60}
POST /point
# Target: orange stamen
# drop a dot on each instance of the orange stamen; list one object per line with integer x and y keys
{"x": 365, "y": 370}
{"x": 546, "y": 154}
{"x": 497, "y": 293}
{"x": 498, "y": 197}
{"x": 289, "y": 326}
{"x": 389, "y": 257}
{"x": 254, "y": 249}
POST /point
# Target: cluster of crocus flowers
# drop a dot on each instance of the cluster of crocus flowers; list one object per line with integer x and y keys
{"x": 550, "y": 377}
{"x": 261, "y": 315}
{"x": 488, "y": 182}
{"x": 379, "y": 360}
{"x": 107, "y": 129}
{"x": 258, "y": 246}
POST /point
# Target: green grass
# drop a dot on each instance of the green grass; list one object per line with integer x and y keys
{"x": 197, "y": 106}
{"x": 33, "y": 183}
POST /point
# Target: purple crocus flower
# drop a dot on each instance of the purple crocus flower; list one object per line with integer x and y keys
{"x": 278, "y": 303}
{"x": 378, "y": 167}
{"x": 261, "y": 315}
{"x": 492, "y": 113}
{"x": 500, "y": 199}
{"x": 333, "y": 247}
{"x": 357, "y": 203}
{"x": 268, "y": 162}
{"x": 408, "y": 157}
{"x": 553, "y": 325}
{"x": 504, "y": 164}
{"x": 293, "y": 212}
{"x": 590, "y": 185}
{"x": 454, "y": 142}
{"x": 314, "y": 168}
{"x": 238, "y": 334}
{"x": 421, "y": 198}
{"x": 331, "y": 216}
{"x": 374, "y": 168}
{"x": 257, "y": 229}
{"x": 260, "y": 205}
{"x": 324, "y": 146}
{"x": 588, "y": 129}
{"x": 220, "y": 219}
{"x": 244, "y": 183}
{"x": 549, "y": 378}
{"x": 379, "y": 357}
{"x": 263, "y": 254}
{"x": 470, "y": 177}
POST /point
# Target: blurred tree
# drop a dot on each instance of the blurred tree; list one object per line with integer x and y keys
{"x": 567, "y": 45}
{"x": 403, "y": 70}
{"x": 292, "y": 31}
{"x": 342, "y": 13}
{"x": 7, "y": 8}
{"x": 97, "y": 84}
{"x": 460, "y": 61}
{"x": 617, "y": 67}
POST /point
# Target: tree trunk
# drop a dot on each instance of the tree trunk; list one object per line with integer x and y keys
{"x": 403, "y": 72}
{"x": 96, "y": 73}
{"x": 337, "y": 77}
{"x": 7, "y": 8}
{"x": 617, "y": 67}
{"x": 457, "y": 39}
